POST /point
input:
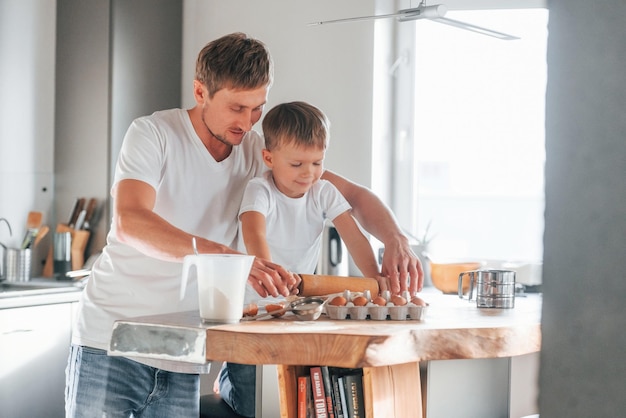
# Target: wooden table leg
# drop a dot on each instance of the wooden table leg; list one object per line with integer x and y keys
{"x": 393, "y": 391}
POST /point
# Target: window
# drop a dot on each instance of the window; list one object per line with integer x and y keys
{"x": 471, "y": 170}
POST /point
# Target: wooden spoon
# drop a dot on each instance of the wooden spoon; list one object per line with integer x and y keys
{"x": 41, "y": 234}
{"x": 34, "y": 220}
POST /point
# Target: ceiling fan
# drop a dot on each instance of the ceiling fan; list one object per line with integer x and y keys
{"x": 435, "y": 13}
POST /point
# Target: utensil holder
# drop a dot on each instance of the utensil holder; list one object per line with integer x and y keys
{"x": 18, "y": 264}
{"x": 79, "y": 240}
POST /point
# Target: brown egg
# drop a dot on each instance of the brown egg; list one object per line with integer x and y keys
{"x": 274, "y": 307}
{"x": 360, "y": 301}
{"x": 398, "y": 300}
{"x": 250, "y": 310}
{"x": 418, "y": 301}
{"x": 380, "y": 301}
{"x": 338, "y": 301}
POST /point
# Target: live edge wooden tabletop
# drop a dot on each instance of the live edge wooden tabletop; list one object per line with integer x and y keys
{"x": 389, "y": 352}
{"x": 451, "y": 329}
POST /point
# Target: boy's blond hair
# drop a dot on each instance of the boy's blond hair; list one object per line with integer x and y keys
{"x": 299, "y": 123}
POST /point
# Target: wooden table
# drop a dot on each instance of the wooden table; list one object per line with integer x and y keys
{"x": 388, "y": 351}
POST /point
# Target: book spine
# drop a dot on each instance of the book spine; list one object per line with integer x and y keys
{"x": 334, "y": 378}
{"x": 319, "y": 398}
{"x": 304, "y": 384}
{"x": 328, "y": 391}
{"x": 354, "y": 395}
{"x": 342, "y": 396}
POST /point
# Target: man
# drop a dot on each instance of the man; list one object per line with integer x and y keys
{"x": 181, "y": 174}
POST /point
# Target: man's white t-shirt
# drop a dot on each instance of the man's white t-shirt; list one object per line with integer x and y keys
{"x": 194, "y": 193}
{"x": 294, "y": 226}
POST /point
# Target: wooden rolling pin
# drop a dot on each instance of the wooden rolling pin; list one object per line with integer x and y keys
{"x": 320, "y": 285}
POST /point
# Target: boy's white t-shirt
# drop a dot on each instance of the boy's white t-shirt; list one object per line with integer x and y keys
{"x": 194, "y": 193}
{"x": 294, "y": 226}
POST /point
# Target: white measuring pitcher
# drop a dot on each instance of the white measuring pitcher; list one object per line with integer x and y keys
{"x": 221, "y": 284}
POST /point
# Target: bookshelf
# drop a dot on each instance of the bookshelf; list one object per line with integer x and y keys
{"x": 387, "y": 390}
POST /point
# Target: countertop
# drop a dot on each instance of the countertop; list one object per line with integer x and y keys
{"x": 451, "y": 329}
{"x": 38, "y": 291}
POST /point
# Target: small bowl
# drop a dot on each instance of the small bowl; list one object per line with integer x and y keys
{"x": 307, "y": 309}
{"x": 445, "y": 276}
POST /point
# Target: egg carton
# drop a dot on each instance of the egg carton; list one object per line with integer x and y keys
{"x": 372, "y": 311}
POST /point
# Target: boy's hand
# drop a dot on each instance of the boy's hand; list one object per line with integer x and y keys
{"x": 269, "y": 278}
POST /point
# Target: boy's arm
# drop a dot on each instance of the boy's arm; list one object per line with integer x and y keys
{"x": 253, "y": 231}
{"x": 359, "y": 248}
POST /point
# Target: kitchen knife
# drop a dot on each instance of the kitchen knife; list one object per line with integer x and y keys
{"x": 89, "y": 215}
{"x": 78, "y": 206}
{"x": 81, "y": 219}
{"x": 320, "y": 284}
{"x": 73, "y": 212}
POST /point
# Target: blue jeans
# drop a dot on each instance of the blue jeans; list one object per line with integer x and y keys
{"x": 238, "y": 387}
{"x": 98, "y": 385}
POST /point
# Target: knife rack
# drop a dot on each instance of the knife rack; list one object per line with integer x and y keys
{"x": 79, "y": 244}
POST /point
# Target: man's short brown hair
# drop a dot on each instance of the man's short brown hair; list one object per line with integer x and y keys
{"x": 234, "y": 61}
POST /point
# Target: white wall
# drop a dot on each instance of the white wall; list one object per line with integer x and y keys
{"x": 329, "y": 66}
{"x": 27, "y": 42}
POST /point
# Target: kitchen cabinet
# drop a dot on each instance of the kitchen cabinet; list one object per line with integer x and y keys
{"x": 128, "y": 66}
{"x": 34, "y": 343}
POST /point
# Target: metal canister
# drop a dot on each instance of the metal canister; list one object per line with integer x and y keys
{"x": 62, "y": 254}
{"x": 18, "y": 265}
{"x": 494, "y": 288}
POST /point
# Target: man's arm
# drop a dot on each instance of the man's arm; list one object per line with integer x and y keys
{"x": 400, "y": 264}
{"x": 137, "y": 225}
{"x": 359, "y": 248}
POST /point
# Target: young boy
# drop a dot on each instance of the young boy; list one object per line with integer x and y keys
{"x": 283, "y": 212}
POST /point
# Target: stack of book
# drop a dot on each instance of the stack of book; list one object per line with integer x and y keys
{"x": 331, "y": 392}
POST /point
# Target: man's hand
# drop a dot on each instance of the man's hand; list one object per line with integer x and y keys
{"x": 271, "y": 279}
{"x": 402, "y": 267}
{"x": 400, "y": 264}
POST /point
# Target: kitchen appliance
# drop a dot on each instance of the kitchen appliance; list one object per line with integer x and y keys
{"x": 334, "y": 258}
{"x": 434, "y": 12}
{"x": 494, "y": 288}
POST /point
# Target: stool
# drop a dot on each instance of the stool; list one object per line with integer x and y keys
{"x": 213, "y": 406}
